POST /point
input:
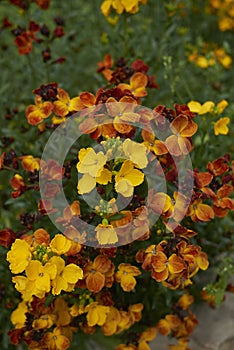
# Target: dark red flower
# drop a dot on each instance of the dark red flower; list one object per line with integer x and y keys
{"x": 7, "y": 237}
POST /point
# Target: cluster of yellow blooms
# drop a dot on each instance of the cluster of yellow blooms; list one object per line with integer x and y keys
{"x": 209, "y": 107}
{"x": 224, "y": 9}
{"x": 208, "y": 57}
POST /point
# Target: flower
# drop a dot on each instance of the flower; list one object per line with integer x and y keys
{"x": 66, "y": 277}
{"x": 163, "y": 266}
{"x": 220, "y": 126}
{"x": 35, "y": 114}
{"x": 127, "y": 178}
{"x": 137, "y": 85}
{"x": 41, "y": 276}
{"x": 65, "y": 105}
{"x": 201, "y": 109}
{"x": 121, "y": 5}
{"x": 56, "y": 340}
{"x": 97, "y": 314}
{"x": 136, "y": 152}
{"x": 19, "y": 256}
{"x": 60, "y": 244}
{"x": 106, "y": 234}
{"x": 199, "y": 211}
{"x": 98, "y": 273}
{"x": 126, "y": 276}
{"x": 18, "y": 316}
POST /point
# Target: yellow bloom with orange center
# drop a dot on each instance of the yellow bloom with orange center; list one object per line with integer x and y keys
{"x": 64, "y": 104}
{"x": 106, "y": 234}
{"x": 19, "y": 256}
{"x": 60, "y": 244}
{"x": 66, "y": 277}
{"x": 30, "y": 163}
{"x": 96, "y": 314}
{"x": 126, "y": 276}
{"x": 199, "y": 211}
{"x": 56, "y": 340}
{"x": 220, "y": 126}
{"x": 18, "y": 316}
{"x": 38, "y": 112}
{"x": 137, "y": 85}
{"x": 127, "y": 178}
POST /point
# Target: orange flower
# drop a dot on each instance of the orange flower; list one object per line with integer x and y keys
{"x": 38, "y": 112}
{"x": 97, "y": 314}
{"x": 111, "y": 324}
{"x": 105, "y": 66}
{"x": 96, "y": 273}
{"x": 17, "y": 183}
{"x": 65, "y": 105}
{"x": 154, "y": 145}
{"x": 200, "y": 212}
{"x": 218, "y": 166}
{"x": 221, "y": 202}
{"x": 123, "y": 113}
{"x": 182, "y": 127}
{"x": 138, "y": 82}
{"x": 167, "y": 324}
{"x": 163, "y": 266}
{"x": 56, "y": 340}
{"x": 126, "y": 276}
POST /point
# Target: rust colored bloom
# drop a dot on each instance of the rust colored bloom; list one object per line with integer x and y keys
{"x": 218, "y": 166}
{"x": 7, "y": 237}
{"x": 35, "y": 114}
{"x": 56, "y": 340}
{"x": 96, "y": 274}
{"x": 126, "y": 276}
{"x": 199, "y": 211}
{"x": 18, "y": 184}
{"x": 105, "y": 67}
{"x": 168, "y": 324}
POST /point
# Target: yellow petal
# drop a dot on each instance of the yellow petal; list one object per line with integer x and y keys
{"x": 104, "y": 177}
{"x": 72, "y": 273}
{"x": 194, "y": 106}
{"x": 124, "y": 187}
{"x": 207, "y": 107}
{"x": 86, "y": 184}
{"x": 136, "y": 152}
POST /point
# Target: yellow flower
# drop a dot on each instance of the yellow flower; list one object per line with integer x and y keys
{"x": 136, "y": 153}
{"x": 45, "y": 321}
{"x": 106, "y": 234}
{"x": 60, "y": 244}
{"x": 221, "y": 106}
{"x": 66, "y": 277}
{"x": 90, "y": 162}
{"x": 130, "y": 6}
{"x": 41, "y": 275}
{"x": 127, "y": 178}
{"x": 220, "y": 127}
{"x": 18, "y": 317}
{"x": 197, "y": 107}
{"x": 96, "y": 314}
{"x": 19, "y": 256}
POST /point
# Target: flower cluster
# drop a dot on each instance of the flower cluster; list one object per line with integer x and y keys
{"x": 225, "y": 12}
{"x": 121, "y": 6}
{"x": 210, "y": 55}
{"x": 209, "y": 107}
